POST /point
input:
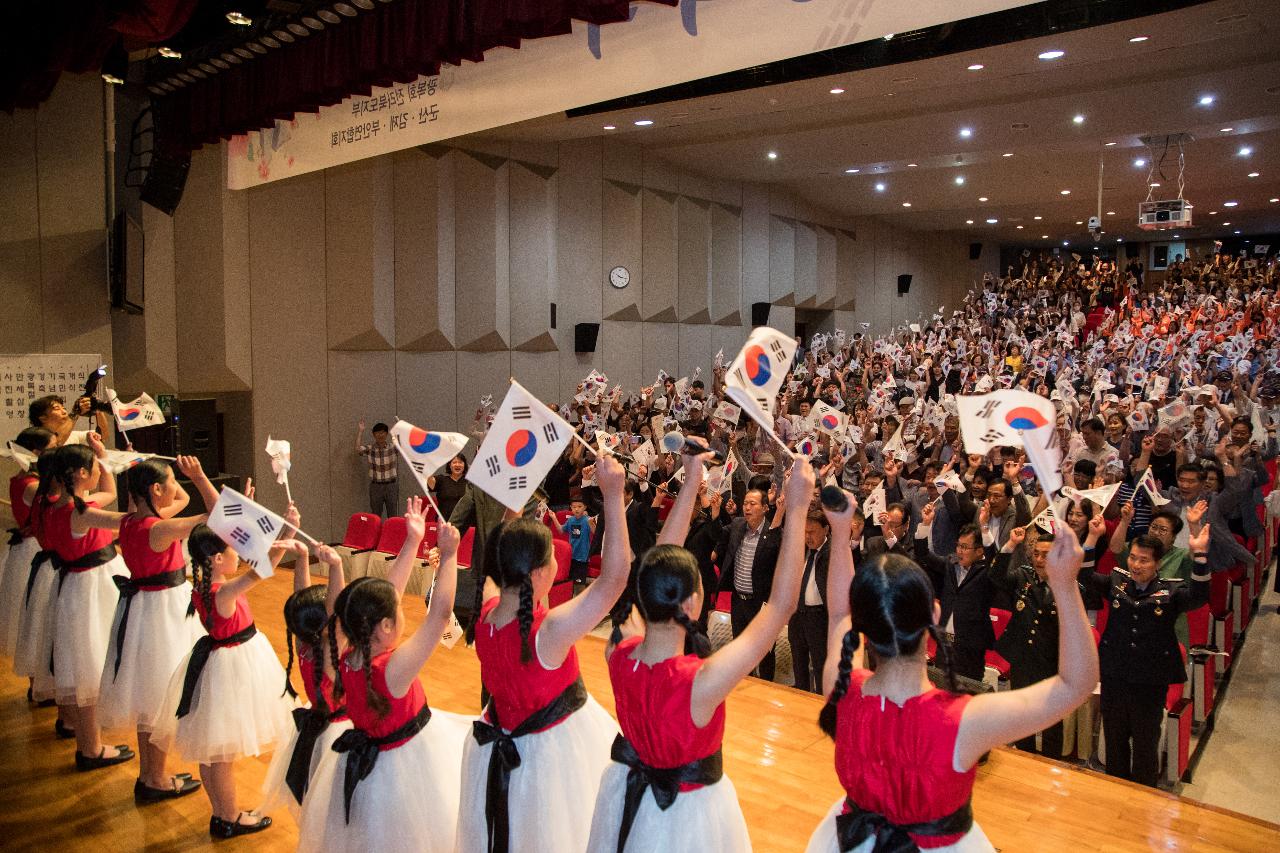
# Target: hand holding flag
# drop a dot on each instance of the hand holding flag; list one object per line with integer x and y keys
{"x": 142, "y": 412}
{"x": 520, "y": 448}
{"x": 248, "y": 527}
{"x": 426, "y": 452}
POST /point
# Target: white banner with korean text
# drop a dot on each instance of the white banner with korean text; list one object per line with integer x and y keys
{"x": 26, "y": 377}
{"x": 660, "y": 46}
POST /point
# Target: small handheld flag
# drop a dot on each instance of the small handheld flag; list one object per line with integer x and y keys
{"x": 520, "y": 448}
{"x": 248, "y": 527}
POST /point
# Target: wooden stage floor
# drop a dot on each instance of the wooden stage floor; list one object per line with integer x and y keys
{"x": 778, "y": 760}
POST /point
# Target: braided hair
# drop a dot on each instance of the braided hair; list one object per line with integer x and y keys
{"x": 361, "y": 605}
{"x": 204, "y": 545}
{"x": 46, "y": 470}
{"x": 305, "y": 616}
{"x": 667, "y": 577}
{"x": 67, "y": 460}
{"x": 520, "y": 547}
{"x": 141, "y": 477}
{"x": 891, "y": 604}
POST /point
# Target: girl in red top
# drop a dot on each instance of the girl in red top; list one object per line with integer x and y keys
{"x": 33, "y": 650}
{"x": 154, "y": 625}
{"x": 665, "y": 791}
{"x": 23, "y": 545}
{"x": 308, "y": 617}
{"x": 391, "y": 782}
{"x": 84, "y": 594}
{"x": 224, "y": 699}
{"x": 906, "y": 752}
{"x": 539, "y": 712}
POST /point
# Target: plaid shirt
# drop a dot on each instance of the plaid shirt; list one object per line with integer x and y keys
{"x": 382, "y": 462}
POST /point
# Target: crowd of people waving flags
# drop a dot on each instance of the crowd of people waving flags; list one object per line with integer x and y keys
{"x": 1072, "y": 440}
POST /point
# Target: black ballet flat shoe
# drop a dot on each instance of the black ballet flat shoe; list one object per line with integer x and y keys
{"x": 183, "y": 785}
{"x": 60, "y": 729}
{"x": 223, "y": 829}
{"x": 47, "y": 703}
{"x": 84, "y": 763}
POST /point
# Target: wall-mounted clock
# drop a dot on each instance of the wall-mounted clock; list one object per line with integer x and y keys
{"x": 619, "y": 277}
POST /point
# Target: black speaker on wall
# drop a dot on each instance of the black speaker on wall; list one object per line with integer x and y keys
{"x": 198, "y": 432}
{"x": 975, "y": 251}
{"x": 166, "y": 179}
{"x": 759, "y": 314}
{"x": 584, "y": 337}
{"x": 904, "y": 284}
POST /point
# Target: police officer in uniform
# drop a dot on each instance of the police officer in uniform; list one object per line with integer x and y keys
{"x": 1030, "y": 640}
{"x": 1139, "y": 656}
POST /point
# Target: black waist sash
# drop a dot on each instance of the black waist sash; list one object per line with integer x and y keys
{"x": 364, "y": 752}
{"x": 857, "y": 825}
{"x": 311, "y": 723}
{"x": 129, "y": 587}
{"x": 16, "y": 536}
{"x": 93, "y": 559}
{"x": 505, "y": 757}
{"x": 200, "y": 656}
{"x": 665, "y": 781}
{"x": 40, "y": 557}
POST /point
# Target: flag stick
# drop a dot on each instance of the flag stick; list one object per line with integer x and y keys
{"x": 427, "y": 494}
{"x": 586, "y": 444}
{"x": 288, "y": 494}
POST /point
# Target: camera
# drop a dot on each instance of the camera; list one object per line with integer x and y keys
{"x": 91, "y": 388}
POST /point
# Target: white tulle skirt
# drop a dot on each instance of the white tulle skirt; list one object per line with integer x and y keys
{"x": 705, "y": 820}
{"x": 82, "y": 631}
{"x": 407, "y": 804}
{"x": 159, "y": 635}
{"x": 34, "y": 650}
{"x": 559, "y": 774}
{"x": 275, "y": 790}
{"x": 13, "y": 585}
{"x": 823, "y": 839}
{"x": 238, "y": 708}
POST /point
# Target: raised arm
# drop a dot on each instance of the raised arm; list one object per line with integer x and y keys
{"x": 225, "y": 598}
{"x": 415, "y": 524}
{"x": 193, "y": 471}
{"x": 569, "y": 622}
{"x": 839, "y": 581}
{"x": 106, "y": 493}
{"x": 337, "y": 580}
{"x": 992, "y": 719}
{"x": 676, "y": 528}
{"x": 359, "y": 436}
{"x": 407, "y": 660}
{"x": 724, "y": 669}
{"x": 1119, "y": 536}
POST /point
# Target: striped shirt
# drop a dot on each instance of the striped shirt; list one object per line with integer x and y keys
{"x": 382, "y": 462}
{"x": 746, "y": 556}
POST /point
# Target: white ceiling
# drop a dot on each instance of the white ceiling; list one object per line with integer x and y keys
{"x": 891, "y": 117}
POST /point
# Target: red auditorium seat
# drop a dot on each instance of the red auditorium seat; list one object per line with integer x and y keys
{"x": 1179, "y": 712}
{"x": 1000, "y": 620}
{"x": 359, "y": 540}
{"x": 593, "y": 566}
{"x": 465, "y": 546}
{"x": 561, "y": 587}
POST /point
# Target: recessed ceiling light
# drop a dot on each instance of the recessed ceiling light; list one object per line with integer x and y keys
{"x": 1079, "y": 221}
{"x": 977, "y": 66}
{"x": 992, "y": 221}
{"x": 906, "y": 204}
{"x": 239, "y": 20}
{"x": 1237, "y": 231}
{"x": 1138, "y": 39}
{"x": 911, "y": 165}
{"x": 1226, "y": 223}
{"x": 968, "y": 222}
{"x": 959, "y": 180}
{"x": 1206, "y": 100}
{"x": 1065, "y": 192}
{"x": 1007, "y": 154}
{"x": 1044, "y": 236}
{"x": 1230, "y": 203}
{"x": 1273, "y": 200}
{"x": 1038, "y": 217}
{"x": 1139, "y": 163}
{"x": 1225, "y": 129}
{"x": 1078, "y": 118}
{"x": 966, "y": 132}
{"x": 1213, "y": 213}
{"x": 1019, "y": 227}
{"x": 852, "y": 171}
{"x": 772, "y": 155}
{"x": 982, "y": 198}
{"x": 1053, "y": 54}
{"x": 1108, "y": 144}
{"x": 610, "y": 127}
{"x": 1065, "y": 243}
{"x": 170, "y": 53}
{"x": 644, "y": 122}
{"x": 880, "y": 188}
{"x": 1155, "y": 183}
{"x": 1245, "y": 151}
{"x": 1254, "y": 174}
{"x": 837, "y": 91}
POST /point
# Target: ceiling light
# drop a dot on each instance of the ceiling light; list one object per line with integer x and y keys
{"x": 1225, "y": 129}
{"x": 852, "y": 171}
{"x": 112, "y": 79}
{"x": 1007, "y": 154}
{"x": 1019, "y": 227}
{"x": 992, "y": 221}
{"x": 1237, "y": 231}
{"x": 1230, "y": 203}
{"x": 911, "y": 165}
{"x": 644, "y": 122}
{"x": 1139, "y": 163}
{"x": 1044, "y": 236}
{"x": 982, "y": 198}
{"x": 1079, "y": 221}
{"x": 1138, "y": 39}
{"x": 170, "y": 53}
{"x": 880, "y": 188}
{"x": 1065, "y": 243}
{"x": 1053, "y": 54}
{"x": 837, "y": 91}
{"x": 610, "y": 127}
{"x": 1226, "y": 223}
{"x": 966, "y": 132}
{"x": 968, "y": 222}
{"x": 1078, "y": 118}
{"x": 1065, "y": 192}
{"x": 1111, "y": 213}
{"x": 1254, "y": 174}
{"x": 888, "y": 37}
{"x": 772, "y": 155}
{"x": 1273, "y": 200}
{"x": 906, "y": 204}
{"x": 1245, "y": 151}
{"x": 1039, "y": 217}
{"x": 1213, "y": 213}
{"x": 1155, "y": 183}
{"x": 977, "y": 66}
{"x": 1206, "y": 100}
{"x": 239, "y": 20}
{"x": 959, "y": 180}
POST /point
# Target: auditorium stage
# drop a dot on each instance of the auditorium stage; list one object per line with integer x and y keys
{"x": 774, "y": 753}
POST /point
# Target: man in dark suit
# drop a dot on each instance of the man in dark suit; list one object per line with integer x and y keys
{"x": 963, "y": 586}
{"x": 894, "y": 524}
{"x": 807, "y": 629}
{"x": 748, "y": 555}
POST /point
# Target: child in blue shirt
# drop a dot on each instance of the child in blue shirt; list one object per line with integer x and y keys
{"x": 579, "y": 528}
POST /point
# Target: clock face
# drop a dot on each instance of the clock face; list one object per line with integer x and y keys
{"x": 619, "y": 277}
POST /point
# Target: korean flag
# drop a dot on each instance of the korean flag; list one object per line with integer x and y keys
{"x": 762, "y": 366}
{"x": 425, "y": 452}
{"x": 520, "y": 448}
{"x": 142, "y": 412}
{"x": 248, "y": 527}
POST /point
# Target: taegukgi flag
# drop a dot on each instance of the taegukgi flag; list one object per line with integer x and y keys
{"x": 1000, "y": 419}
{"x": 827, "y": 419}
{"x": 425, "y": 452}
{"x": 248, "y": 527}
{"x": 762, "y": 366}
{"x": 142, "y": 412}
{"x": 522, "y": 445}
